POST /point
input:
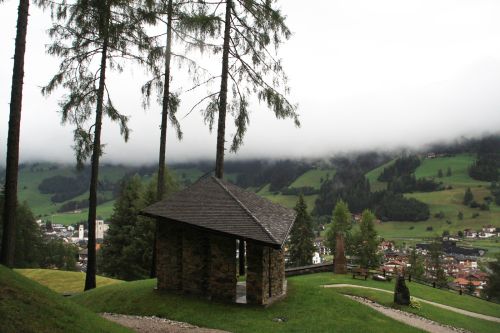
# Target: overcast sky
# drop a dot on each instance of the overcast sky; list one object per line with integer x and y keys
{"x": 366, "y": 74}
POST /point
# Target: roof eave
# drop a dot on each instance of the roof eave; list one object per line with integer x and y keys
{"x": 270, "y": 244}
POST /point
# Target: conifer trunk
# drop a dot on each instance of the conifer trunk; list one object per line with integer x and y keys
{"x": 160, "y": 189}
{"x": 12, "y": 163}
{"x": 221, "y": 127}
{"x": 90, "y": 278}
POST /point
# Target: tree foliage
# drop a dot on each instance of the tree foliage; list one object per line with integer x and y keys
{"x": 301, "y": 236}
{"x": 126, "y": 252}
{"x": 492, "y": 289}
{"x": 366, "y": 241}
{"x": 341, "y": 223}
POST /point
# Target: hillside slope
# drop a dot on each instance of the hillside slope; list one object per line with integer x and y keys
{"x": 448, "y": 201}
{"x": 63, "y": 281}
{"x": 26, "y": 306}
{"x": 307, "y": 308}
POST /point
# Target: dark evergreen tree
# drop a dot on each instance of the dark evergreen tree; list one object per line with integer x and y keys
{"x": 468, "y": 197}
{"x": 7, "y": 252}
{"x": 92, "y": 37}
{"x": 417, "y": 267}
{"x": 448, "y": 172}
{"x": 440, "y": 173}
{"x": 121, "y": 257}
{"x": 302, "y": 236}
{"x": 436, "y": 264}
{"x": 492, "y": 289}
{"x": 127, "y": 250}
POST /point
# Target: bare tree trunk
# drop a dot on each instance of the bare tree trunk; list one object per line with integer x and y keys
{"x": 12, "y": 163}
{"x": 221, "y": 127}
{"x": 90, "y": 277}
{"x": 160, "y": 189}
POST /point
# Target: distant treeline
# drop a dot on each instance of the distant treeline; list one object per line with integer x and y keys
{"x": 485, "y": 168}
{"x": 350, "y": 185}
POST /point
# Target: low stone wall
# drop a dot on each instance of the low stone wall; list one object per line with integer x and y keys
{"x": 302, "y": 270}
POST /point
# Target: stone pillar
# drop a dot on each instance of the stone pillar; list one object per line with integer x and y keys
{"x": 257, "y": 274}
{"x": 195, "y": 255}
{"x": 222, "y": 272}
{"x": 277, "y": 272}
{"x": 169, "y": 256}
{"x": 340, "y": 262}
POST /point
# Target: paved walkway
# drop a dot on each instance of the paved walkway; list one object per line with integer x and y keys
{"x": 447, "y": 307}
{"x": 156, "y": 325}
{"x": 409, "y": 318}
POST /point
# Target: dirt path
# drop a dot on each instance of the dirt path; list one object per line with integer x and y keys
{"x": 447, "y": 307}
{"x": 409, "y": 318}
{"x": 156, "y": 324}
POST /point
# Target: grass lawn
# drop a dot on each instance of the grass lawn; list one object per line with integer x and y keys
{"x": 63, "y": 281}
{"x": 429, "y": 311}
{"x": 313, "y": 178}
{"x": 26, "y": 306}
{"x": 445, "y": 297}
{"x": 307, "y": 308}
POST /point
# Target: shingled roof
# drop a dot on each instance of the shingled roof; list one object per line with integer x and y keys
{"x": 220, "y": 206}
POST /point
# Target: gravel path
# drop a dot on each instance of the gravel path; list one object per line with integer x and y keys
{"x": 447, "y": 307}
{"x": 156, "y": 324}
{"x": 409, "y": 318}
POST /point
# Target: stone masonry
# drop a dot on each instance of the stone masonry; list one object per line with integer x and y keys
{"x": 169, "y": 257}
{"x": 265, "y": 273}
{"x": 222, "y": 275}
{"x": 196, "y": 262}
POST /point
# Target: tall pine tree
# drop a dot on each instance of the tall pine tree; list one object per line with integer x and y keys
{"x": 12, "y": 159}
{"x": 252, "y": 29}
{"x": 92, "y": 36}
{"x": 301, "y": 236}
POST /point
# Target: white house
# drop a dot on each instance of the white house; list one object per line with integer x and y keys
{"x": 316, "y": 258}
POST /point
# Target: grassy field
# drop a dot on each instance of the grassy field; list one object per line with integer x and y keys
{"x": 63, "y": 281}
{"x": 30, "y": 177}
{"x": 375, "y": 184}
{"x": 428, "y": 311}
{"x": 447, "y": 201}
{"x": 313, "y": 178}
{"x": 286, "y": 200}
{"x": 27, "y": 306}
{"x": 104, "y": 211}
{"x": 308, "y": 307}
